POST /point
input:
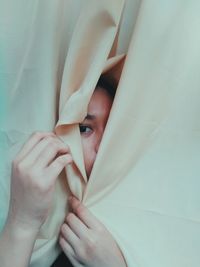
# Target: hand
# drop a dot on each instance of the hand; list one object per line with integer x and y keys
{"x": 86, "y": 240}
{"x": 34, "y": 173}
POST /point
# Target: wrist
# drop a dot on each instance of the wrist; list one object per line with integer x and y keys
{"x": 20, "y": 241}
{"x": 22, "y": 222}
{"x": 21, "y": 231}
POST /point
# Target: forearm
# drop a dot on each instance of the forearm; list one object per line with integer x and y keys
{"x": 16, "y": 245}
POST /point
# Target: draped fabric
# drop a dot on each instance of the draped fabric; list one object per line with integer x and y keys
{"x": 145, "y": 182}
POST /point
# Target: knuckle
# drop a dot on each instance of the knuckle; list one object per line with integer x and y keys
{"x": 49, "y": 140}
{"x": 64, "y": 229}
{"x": 61, "y": 160}
{"x": 19, "y": 167}
{"x": 70, "y": 218}
{"x": 58, "y": 143}
{"x": 80, "y": 210}
{"x": 53, "y": 144}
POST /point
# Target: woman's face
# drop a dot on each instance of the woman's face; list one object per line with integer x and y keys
{"x": 92, "y": 127}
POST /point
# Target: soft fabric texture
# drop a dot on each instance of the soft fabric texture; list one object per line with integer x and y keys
{"x": 145, "y": 182}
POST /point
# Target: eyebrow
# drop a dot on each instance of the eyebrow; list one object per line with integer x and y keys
{"x": 90, "y": 117}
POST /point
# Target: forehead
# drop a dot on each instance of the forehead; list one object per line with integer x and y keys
{"x": 100, "y": 103}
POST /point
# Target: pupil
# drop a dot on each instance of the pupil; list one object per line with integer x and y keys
{"x": 82, "y": 128}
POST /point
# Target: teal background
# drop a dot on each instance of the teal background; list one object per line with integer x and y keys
{"x": 3, "y": 146}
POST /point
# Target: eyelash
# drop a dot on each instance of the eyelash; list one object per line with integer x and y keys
{"x": 83, "y": 129}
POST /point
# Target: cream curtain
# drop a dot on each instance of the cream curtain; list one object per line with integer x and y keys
{"x": 145, "y": 182}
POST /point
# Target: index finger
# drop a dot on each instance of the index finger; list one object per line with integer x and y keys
{"x": 33, "y": 140}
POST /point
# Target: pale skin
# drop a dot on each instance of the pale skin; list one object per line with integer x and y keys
{"x": 83, "y": 237}
{"x": 34, "y": 173}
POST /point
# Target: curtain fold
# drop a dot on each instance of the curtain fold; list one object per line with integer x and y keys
{"x": 145, "y": 183}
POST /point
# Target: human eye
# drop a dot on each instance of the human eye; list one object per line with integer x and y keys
{"x": 85, "y": 129}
